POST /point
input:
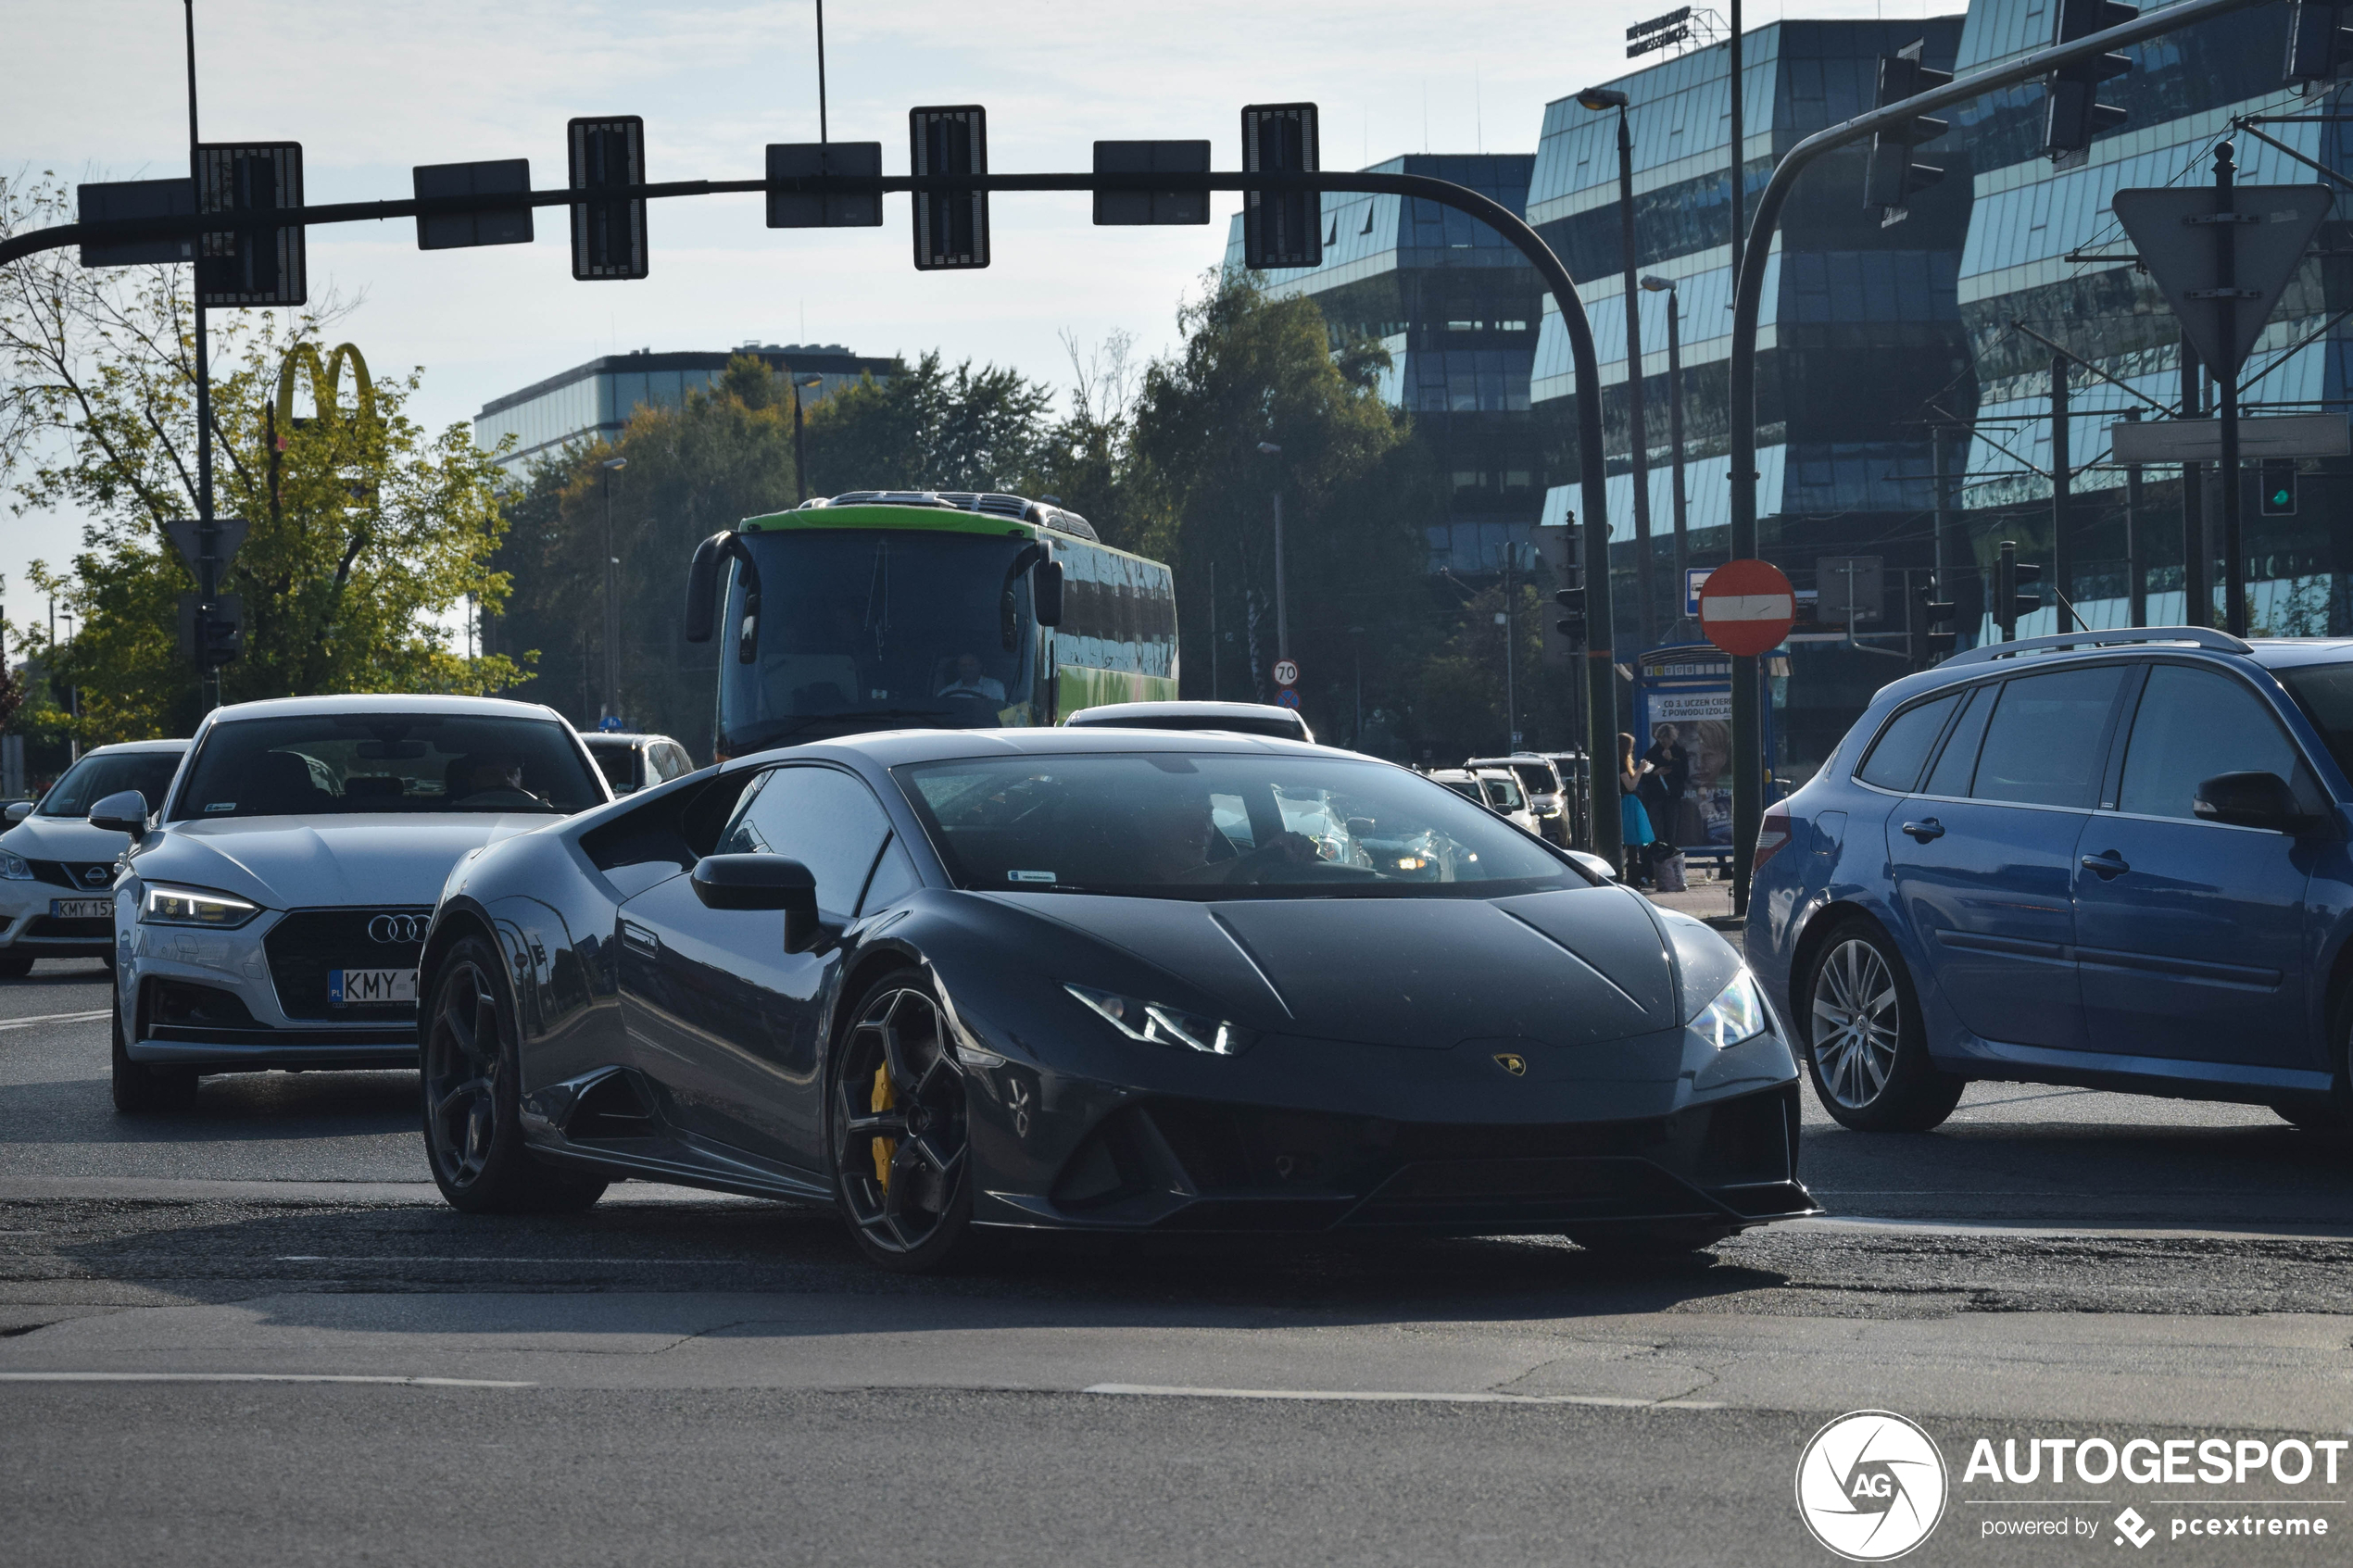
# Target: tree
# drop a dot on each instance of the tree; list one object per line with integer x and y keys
{"x": 366, "y": 530}
{"x": 929, "y": 429}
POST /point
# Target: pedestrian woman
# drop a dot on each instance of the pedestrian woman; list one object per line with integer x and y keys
{"x": 1634, "y": 823}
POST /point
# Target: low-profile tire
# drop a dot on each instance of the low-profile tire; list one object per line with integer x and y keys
{"x": 1866, "y": 1044}
{"x": 471, "y": 1096}
{"x": 14, "y": 966}
{"x": 1650, "y": 1241}
{"x": 899, "y": 1135}
{"x": 143, "y": 1089}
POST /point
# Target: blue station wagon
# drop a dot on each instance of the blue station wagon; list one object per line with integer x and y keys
{"x": 2116, "y": 860}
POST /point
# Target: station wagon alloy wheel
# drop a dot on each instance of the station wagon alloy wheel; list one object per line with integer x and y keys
{"x": 901, "y": 1141}
{"x": 1857, "y": 1023}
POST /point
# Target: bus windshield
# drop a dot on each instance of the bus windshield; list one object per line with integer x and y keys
{"x": 831, "y": 631}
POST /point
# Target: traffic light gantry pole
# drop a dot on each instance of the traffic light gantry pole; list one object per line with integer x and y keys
{"x": 1600, "y": 674}
{"x": 1748, "y": 294}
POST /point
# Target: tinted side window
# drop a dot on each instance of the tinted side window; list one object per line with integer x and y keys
{"x": 826, "y": 819}
{"x": 1894, "y": 763}
{"x": 893, "y": 880}
{"x": 2193, "y": 724}
{"x": 2042, "y": 743}
{"x": 1959, "y": 759}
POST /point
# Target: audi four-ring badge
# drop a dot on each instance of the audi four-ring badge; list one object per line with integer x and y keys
{"x": 271, "y": 911}
{"x": 955, "y": 982}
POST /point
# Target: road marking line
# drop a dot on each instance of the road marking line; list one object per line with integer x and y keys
{"x": 254, "y": 1377}
{"x": 54, "y": 1018}
{"x": 1613, "y": 1400}
{"x": 411, "y": 1258}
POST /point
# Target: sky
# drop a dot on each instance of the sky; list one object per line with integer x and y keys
{"x": 97, "y": 90}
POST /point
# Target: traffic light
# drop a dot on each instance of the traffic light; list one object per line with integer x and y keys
{"x": 952, "y": 227}
{"x": 1282, "y": 228}
{"x": 608, "y": 236}
{"x": 2279, "y": 487}
{"x": 2072, "y": 113}
{"x": 1571, "y": 624}
{"x": 1934, "y": 637}
{"x": 2011, "y": 576}
{"x": 2320, "y": 42}
{"x": 242, "y": 266}
{"x": 211, "y": 632}
{"x": 1893, "y": 174}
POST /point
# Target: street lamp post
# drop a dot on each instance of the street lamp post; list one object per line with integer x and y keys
{"x": 1657, "y": 285}
{"x": 1282, "y": 600}
{"x": 613, "y": 596}
{"x": 799, "y": 428}
{"x": 1637, "y": 443}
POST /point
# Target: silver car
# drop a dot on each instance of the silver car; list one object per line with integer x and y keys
{"x": 270, "y": 914}
{"x": 57, "y": 871}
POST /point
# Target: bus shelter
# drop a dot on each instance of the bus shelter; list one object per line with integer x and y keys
{"x": 1688, "y": 688}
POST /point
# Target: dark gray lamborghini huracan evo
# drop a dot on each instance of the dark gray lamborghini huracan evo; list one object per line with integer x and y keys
{"x": 1095, "y": 979}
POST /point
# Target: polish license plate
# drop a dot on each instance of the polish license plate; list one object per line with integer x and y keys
{"x": 82, "y": 909}
{"x": 362, "y": 988}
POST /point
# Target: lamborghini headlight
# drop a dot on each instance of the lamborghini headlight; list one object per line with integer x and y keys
{"x": 15, "y": 867}
{"x": 194, "y": 906}
{"x": 1159, "y": 1025}
{"x": 1738, "y": 1013}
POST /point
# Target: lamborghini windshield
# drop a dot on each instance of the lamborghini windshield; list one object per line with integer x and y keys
{"x": 1214, "y": 826}
{"x": 831, "y": 631}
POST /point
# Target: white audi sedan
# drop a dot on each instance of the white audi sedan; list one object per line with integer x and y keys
{"x": 270, "y": 914}
{"x": 57, "y": 871}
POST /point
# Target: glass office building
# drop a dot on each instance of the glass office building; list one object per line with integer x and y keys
{"x": 594, "y": 401}
{"x": 1860, "y": 337}
{"x": 2047, "y": 260}
{"x": 1457, "y": 307}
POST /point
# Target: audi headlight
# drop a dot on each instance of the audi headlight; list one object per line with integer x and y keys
{"x": 194, "y": 906}
{"x": 15, "y": 868}
{"x": 1738, "y": 1013}
{"x": 1159, "y": 1025}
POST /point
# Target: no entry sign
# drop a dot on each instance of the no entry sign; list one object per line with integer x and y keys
{"x": 1746, "y": 606}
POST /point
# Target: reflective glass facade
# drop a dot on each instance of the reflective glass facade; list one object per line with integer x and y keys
{"x": 594, "y": 401}
{"x": 2045, "y": 253}
{"x": 1458, "y": 309}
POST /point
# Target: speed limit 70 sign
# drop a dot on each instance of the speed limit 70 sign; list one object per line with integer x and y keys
{"x": 1286, "y": 673}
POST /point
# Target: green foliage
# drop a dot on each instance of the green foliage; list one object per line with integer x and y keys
{"x": 929, "y": 429}
{"x": 365, "y": 529}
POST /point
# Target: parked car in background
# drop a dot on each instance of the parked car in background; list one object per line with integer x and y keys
{"x": 632, "y": 761}
{"x": 1239, "y": 718}
{"x": 57, "y": 871}
{"x": 271, "y": 915}
{"x": 2112, "y": 858}
{"x": 1540, "y": 782}
{"x": 1494, "y": 788}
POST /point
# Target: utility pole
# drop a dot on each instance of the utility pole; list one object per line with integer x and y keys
{"x": 1680, "y": 587}
{"x": 800, "y": 427}
{"x": 1212, "y": 628}
{"x": 1282, "y": 599}
{"x": 1637, "y": 442}
{"x": 1941, "y": 547}
{"x": 2062, "y": 483}
{"x": 2197, "y": 599}
{"x": 612, "y": 597}
{"x": 1511, "y": 703}
{"x": 2226, "y": 387}
{"x": 2136, "y": 576}
{"x": 208, "y": 528}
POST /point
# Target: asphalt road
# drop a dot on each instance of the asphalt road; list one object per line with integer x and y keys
{"x": 252, "y": 1334}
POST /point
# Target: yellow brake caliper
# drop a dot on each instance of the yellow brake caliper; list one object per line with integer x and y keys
{"x": 883, "y": 1147}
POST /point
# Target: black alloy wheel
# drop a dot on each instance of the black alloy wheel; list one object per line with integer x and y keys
{"x": 1867, "y": 1047}
{"x": 141, "y": 1088}
{"x": 903, "y": 1151}
{"x": 473, "y": 1131}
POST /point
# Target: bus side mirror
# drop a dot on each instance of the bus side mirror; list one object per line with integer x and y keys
{"x": 1046, "y": 592}
{"x": 703, "y": 586}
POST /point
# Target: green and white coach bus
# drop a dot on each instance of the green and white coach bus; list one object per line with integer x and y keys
{"x": 924, "y": 609}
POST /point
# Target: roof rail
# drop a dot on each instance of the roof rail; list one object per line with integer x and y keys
{"x": 2200, "y": 637}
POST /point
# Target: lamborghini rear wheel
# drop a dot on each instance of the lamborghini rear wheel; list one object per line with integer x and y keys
{"x": 902, "y": 1153}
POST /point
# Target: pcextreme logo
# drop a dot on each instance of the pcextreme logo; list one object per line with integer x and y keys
{"x": 1870, "y": 1485}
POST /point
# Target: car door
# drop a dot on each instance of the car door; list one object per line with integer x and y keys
{"x": 721, "y": 1016}
{"x": 2191, "y": 933}
{"x": 1982, "y": 857}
